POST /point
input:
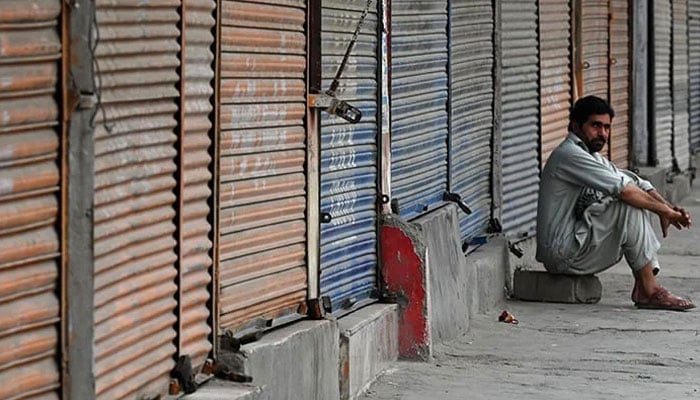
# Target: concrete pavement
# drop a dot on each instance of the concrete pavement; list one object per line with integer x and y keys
{"x": 608, "y": 350}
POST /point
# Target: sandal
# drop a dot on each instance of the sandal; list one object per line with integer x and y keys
{"x": 665, "y": 300}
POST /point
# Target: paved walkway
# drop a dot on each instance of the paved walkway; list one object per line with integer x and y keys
{"x": 609, "y": 350}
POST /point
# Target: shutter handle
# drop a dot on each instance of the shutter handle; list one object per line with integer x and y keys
{"x": 454, "y": 197}
{"x": 326, "y": 218}
{"x": 613, "y": 61}
{"x": 586, "y": 65}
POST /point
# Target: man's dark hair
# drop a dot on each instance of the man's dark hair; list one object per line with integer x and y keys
{"x": 587, "y": 106}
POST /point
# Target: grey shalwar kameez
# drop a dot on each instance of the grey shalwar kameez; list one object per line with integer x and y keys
{"x": 582, "y": 226}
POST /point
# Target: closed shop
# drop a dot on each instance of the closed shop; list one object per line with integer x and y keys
{"x": 694, "y": 72}
{"x": 679, "y": 73}
{"x": 419, "y": 130}
{"x": 604, "y": 42}
{"x": 262, "y": 182}
{"x": 195, "y": 161}
{"x": 662, "y": 107}
{"x": 135, "y": 203}
{"x": 471, "y": 112}
{"x": 349, "y": 159}
{"x": 30, "y": 132}
{"x": 555, "y": 73}
{"x": 521, "y": 117}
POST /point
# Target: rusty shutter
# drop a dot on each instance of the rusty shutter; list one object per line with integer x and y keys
{"x": 419, "y": 104}
{"x": 30, "y": 53}
{"x": 520, "y": 113}
{"x": 555, "y": 73}
{"x": 262, "y": 194}
{"x": 679, "y": 71}
{"x": 595, "y": 47}
{"x": 694, "y": 72}
{"x": 620, "y": 82}
{"x": 349, "y": 159}
{"x": 198, "y": 73}
{"x": 661, "y": 90}
{"x": 471, "y": 108}
{"x": 136, "y": 64}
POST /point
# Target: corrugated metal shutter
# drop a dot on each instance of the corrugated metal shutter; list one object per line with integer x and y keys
{"x": 520, "y": 113}
{"x": 595, "y": 48}
{"x": 555, "y": 72}
{"x": 262, "y": 269}
{"x": 349, "y": 159}
{"x": 620, "y": 87}
{"x": 196, "y": 244}
{"x": 694, "y": 72}
{"x": 681, "y": 140}
{"x": 136, "y": 63}
{"x": 30, "y": 53}
{"x": 472, "y": 110}
{"x": 419, "y": 104}
{"x": 663, "y": 106}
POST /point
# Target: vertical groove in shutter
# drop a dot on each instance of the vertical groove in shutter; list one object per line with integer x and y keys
{"x": 555, "y": 72}
{"x": 663, "y": 107}
{"x": 620, "y": 78}
{"x": 694, "y": 72}
{"x": 349, "y": 158}
{"x": 136, "y": 62}
{"x": 472, "y": 110}
{"x": 262, "y": 194}
{"x": 679, "y": 68}
{"x": 520, "y": 113}
{"x": 30, "y": 53}
{"x": 419, "y": 104}
{"x": 196, "y": 246}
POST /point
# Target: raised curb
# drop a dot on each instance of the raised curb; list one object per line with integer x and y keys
{"x": 223, "y": 390}
{"x": 368, "y": 344}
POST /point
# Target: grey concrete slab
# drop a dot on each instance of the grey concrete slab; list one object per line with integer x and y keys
{"x": 297, "y": 362}
{"x": 543, "y": 286}
{"x": 222, "y": 390}
{"x": 490, "y": 262}
{"x": 368, "y": 345}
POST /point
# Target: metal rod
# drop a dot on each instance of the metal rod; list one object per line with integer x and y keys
{"x": 336, "y": 81}
{"x": 216, "y": 182}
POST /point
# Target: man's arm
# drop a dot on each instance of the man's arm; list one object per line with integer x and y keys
{"x": 654, "y": 202}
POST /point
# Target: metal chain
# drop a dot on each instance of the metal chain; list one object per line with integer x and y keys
{"x": 339, "y": 73}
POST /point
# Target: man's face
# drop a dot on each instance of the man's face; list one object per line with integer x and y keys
{"x": 594, "y": 132}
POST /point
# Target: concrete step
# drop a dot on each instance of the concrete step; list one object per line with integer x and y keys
{"x": 554, "y": 288}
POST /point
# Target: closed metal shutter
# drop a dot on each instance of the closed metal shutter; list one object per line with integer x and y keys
{"x": 620, "y": 79}
{"x": 418, "y": 104}
{"x": 520, "y": 113}
{"x": 555, "y": 73}
{"x": 262, "y": 194}
{"x": 196, "y": 160}
{"x": 681, "y": 140}
{"x": 595, "y": 47}
{"x": 349, "y": 159}
{"x": 663, "y": 106}
{"x": 136, "y": 65}
{"x": 694, "y": 72}
{"x": 471, "y": 111}
{"x": 30, "y": 55}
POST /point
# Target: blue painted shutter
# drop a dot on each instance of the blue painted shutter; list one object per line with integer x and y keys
{"x": 349, "y": 159}
{"x": 419, "y": 104}
{"x": 520, "y": 113}
{"x": 472, "y": 110}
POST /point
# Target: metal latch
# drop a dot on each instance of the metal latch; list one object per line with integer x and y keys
{"x": 334, "y": 106}
{"x": 456, "y": 198}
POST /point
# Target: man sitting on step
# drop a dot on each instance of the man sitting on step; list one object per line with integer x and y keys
{"x": 590, "y": 213}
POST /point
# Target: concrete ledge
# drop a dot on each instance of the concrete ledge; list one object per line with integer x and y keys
{"x": 546, "y": 287}
{"x": 299, "y": 361}
{"x": 223, "y": 390}
{"x": 489, "y": 261}
{"x": 368, "y": 344}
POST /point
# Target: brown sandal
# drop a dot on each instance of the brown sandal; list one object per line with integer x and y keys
{"x": 665, "y": 300}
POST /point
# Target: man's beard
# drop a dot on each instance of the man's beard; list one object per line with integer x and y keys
{"x": 596, "y": 146}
